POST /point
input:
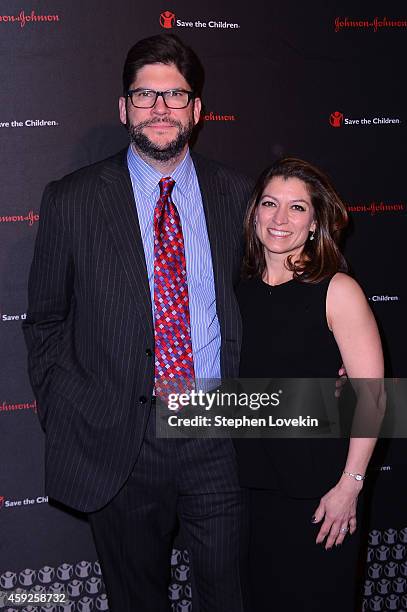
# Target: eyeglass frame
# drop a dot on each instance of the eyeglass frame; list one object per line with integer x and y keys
{"x": 191, "y": 96}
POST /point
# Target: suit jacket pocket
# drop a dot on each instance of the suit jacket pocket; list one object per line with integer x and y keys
{"x": 94, "y": 401}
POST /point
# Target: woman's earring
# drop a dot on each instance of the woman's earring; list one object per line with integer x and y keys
{"x": 255, "y": 223}
{"x": 312, "y": 235}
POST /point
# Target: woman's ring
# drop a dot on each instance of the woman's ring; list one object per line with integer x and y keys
{"x": 344, "y": 529}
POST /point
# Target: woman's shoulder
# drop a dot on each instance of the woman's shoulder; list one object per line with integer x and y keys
{"x": 345, "y": 297}
{"x": 343, "y": 287}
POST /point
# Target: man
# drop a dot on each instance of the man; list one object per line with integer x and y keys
{"x": 132, "y": 282}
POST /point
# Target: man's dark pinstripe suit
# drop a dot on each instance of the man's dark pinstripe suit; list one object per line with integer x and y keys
{"x": 90, "y": 335}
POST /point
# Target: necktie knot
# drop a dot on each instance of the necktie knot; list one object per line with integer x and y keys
{"x": 166, "y": 186}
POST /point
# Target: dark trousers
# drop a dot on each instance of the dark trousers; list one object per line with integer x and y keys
{"x": 286, "y": 570}
{"x": 186, "y": 481}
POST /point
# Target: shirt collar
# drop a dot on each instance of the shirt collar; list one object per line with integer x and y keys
{"x": 183, "y": 173}
{"x": 147, "y": 178}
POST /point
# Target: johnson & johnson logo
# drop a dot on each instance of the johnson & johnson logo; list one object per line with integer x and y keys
{"x": 375, "y": 24}
{"x": 211, "y": 116}
{"x": 376, "y": 207}
{"x": 31, "y": 217}
{"x": 338, "y": 119}
{"x": 7, "y": 407}
{"x": 22, "y": 18}
{"x": 168, "y": 20}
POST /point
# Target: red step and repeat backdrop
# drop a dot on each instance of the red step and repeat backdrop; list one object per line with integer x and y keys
{"x": 326, "y": 83}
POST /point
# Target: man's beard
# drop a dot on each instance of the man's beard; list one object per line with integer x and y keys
{"x": 160, "y": 153}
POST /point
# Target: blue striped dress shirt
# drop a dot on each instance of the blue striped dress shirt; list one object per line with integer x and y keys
{"x": 205, "y": 329}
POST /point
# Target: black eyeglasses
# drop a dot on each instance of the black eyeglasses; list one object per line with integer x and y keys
{"x": 173, "y": 98}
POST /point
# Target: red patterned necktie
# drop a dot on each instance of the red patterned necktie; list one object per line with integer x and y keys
{"x": 174, "y": 365}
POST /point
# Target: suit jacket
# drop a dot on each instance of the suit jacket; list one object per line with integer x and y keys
{"x": 89, "y": 327}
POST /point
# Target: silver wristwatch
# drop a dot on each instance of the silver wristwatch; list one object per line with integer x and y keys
{"x": 355, "y": 476}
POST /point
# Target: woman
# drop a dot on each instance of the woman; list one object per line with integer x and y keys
{"x": 303, "y": 316}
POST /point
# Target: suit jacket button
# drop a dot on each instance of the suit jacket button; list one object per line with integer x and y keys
{"x": 142, "y": 399}
{"x": 149, "y": 352}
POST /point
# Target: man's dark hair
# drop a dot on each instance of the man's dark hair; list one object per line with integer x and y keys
{"x": 164, "y": 49}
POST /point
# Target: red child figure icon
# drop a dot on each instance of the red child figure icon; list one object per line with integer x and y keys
{"x": 167, "y": 19}
{"x": 336, "y": 119}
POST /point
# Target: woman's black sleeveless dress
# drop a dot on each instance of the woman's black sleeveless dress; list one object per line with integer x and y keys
{"x": 285, "y": 334}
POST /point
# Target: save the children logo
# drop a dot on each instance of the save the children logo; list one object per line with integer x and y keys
{"x": 384, "y": 298}
{"x": 27, "y": 501}
{"x": 168, "y": 20}
{"x": 338, "y": 119}
{"x": 335, "y": 119}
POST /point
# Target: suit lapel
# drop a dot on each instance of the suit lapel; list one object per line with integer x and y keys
{"x": 119, "y": 209}
{"x": 117, "y": 200}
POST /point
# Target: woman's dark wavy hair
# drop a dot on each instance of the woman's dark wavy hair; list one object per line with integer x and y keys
{"x": 320, "y": 257}
{"x": 164, "y": 49}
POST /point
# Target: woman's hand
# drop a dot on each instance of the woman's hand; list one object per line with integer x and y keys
{"x": 341, "y": 381}
{"x": 338, "y": 509}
